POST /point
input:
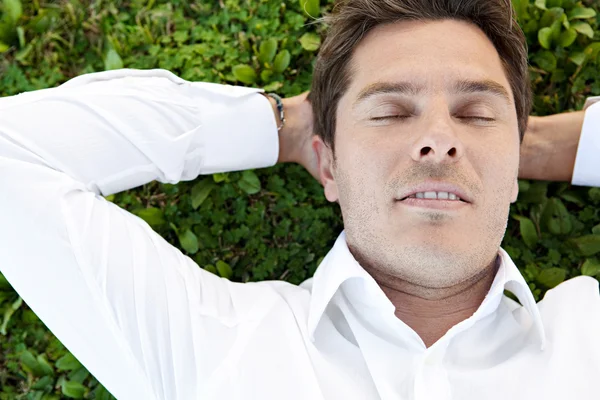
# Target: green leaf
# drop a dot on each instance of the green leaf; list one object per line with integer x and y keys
{"x": 551, "y": 277}
{"x": 112, "y": 60}
{"x": 591, "y": 267}
{"x": 557, "y": 27}
{"x": 268, "y": 49}
{"x": 155, "y": 217}
{"x": 546, "y": 60}
{"x": 224, "y": 269}
{"x": 244, "y": 73}
{"x": 243, "y": 39}
{"x": 536, "y": 193}
{"x": 12, "y": 10}
{"x": 211, "y": 268}
{"x": 101, "y": 393}
{"x": 181, "y": 36}
{"x": 273, "y": 87}
{"x": 8, "y": 313}
{"x": 45, "y": 367}
{"x": 584, "y": 28}
{"x": 528, "y": 231}
{"x": 310, "y": 41}
{"x": 596, "y": 229}
{"x": 567, "y": 37}
{"x": 545, "y": 37}
{"x": 592, "y": 52}
{"x": 531, "y": 26}
{"x": 23, "y": 54}
{"x": 520, "y": 7}
{"x": 67, "y": 362}
{"x": 541, "y": 4}
{"x": 573, "y": 197}
{"x": 551, "y": 16}
{"x": 282, "y": 61}
{"x": 43, "y": 383}
{"x": 581, "y": 13}
{"x": 79, "y": 375}
{"x": 188, "y": 241}
{"x": 249, "y": 182}
{"x": 587, "y": 245}
{"x": 201, "y": 191}
{"x": 578, "y": 58}
{"x": 266, "y": 75}
{"x": 311, "y": 7}
{"x": 44, "y": 20}
{"x": 221, "y": 177}
{"x": 21, "y": 36}
{"x": 4, "y": 282}
{"x": 558, "y": 219}
{"x": 74, "y": 390}
{"x": 4, "y": 47}
{"x": 29, "y": 363}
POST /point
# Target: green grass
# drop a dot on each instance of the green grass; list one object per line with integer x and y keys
{"x": 273, "y": 223}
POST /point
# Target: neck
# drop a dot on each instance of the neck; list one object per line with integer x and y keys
{"x": 431, "y": 312}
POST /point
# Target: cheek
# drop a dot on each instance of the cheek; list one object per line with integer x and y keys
{"x": 497, "y": 164}
{"x": 360, "y": 179}
{"x": 499, "y": 180}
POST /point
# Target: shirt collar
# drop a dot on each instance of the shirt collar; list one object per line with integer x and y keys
{"x": 340, "y": 265}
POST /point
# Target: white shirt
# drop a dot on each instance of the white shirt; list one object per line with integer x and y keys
{"x": 150, "y": 324}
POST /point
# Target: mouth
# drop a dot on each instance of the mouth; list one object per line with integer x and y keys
{"x": 442, "y": 201}
{"x": 443, "y": 196}
{"x": 436, "y": 195}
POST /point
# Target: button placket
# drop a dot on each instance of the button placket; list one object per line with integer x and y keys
{"x": 431, "y": 379}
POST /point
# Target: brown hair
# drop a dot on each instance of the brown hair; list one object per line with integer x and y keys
{"x": 351, "y": 20}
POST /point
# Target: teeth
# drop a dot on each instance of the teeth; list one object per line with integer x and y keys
{"x": 435, "y": 195}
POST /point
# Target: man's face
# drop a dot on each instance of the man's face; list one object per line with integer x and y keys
{"x": 429, "y": 109}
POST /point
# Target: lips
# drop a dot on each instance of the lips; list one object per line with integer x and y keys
{"x": 435, "y": 196}
{"x": 431, "y": 191}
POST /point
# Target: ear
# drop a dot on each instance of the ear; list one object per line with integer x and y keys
{"x": 515, "y": 191}
{"x": 326, "y": 168}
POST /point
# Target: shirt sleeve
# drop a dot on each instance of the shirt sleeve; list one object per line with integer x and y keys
{"x": 142, "y": 317}
{"x": 587, "y": 162}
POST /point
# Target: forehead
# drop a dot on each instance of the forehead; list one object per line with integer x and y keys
{"x": 435, "y": 54}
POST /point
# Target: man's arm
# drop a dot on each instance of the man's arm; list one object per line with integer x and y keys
{"x": 111, "y": 289}
{"x": 563, "y": 147}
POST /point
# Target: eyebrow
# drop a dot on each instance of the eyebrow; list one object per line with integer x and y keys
{"x": 486, "y": 86}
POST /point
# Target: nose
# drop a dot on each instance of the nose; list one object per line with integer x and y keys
{"x": 438, "y": 143}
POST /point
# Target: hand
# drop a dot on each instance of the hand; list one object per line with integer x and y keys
{"x": 296, "y": 136}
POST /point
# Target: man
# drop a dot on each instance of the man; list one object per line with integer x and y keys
{"x": 420, "y": 107}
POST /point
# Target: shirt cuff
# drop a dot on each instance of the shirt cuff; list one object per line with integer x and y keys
{"x": 587, "y": 161}
{"x": 241, "y": 129}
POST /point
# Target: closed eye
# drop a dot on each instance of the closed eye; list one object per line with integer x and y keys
{"x": 401, "y": 117}
{"x": 390, "y": 117}
{"x": 485, "y": 119}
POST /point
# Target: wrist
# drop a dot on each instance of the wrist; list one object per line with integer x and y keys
{"x": 295, "y": 135}
{"x": 288, "y": 134}
{"x": 550, "y": 146}
{"x": 534, "y": 149}
{"x": 284, "y": 130}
